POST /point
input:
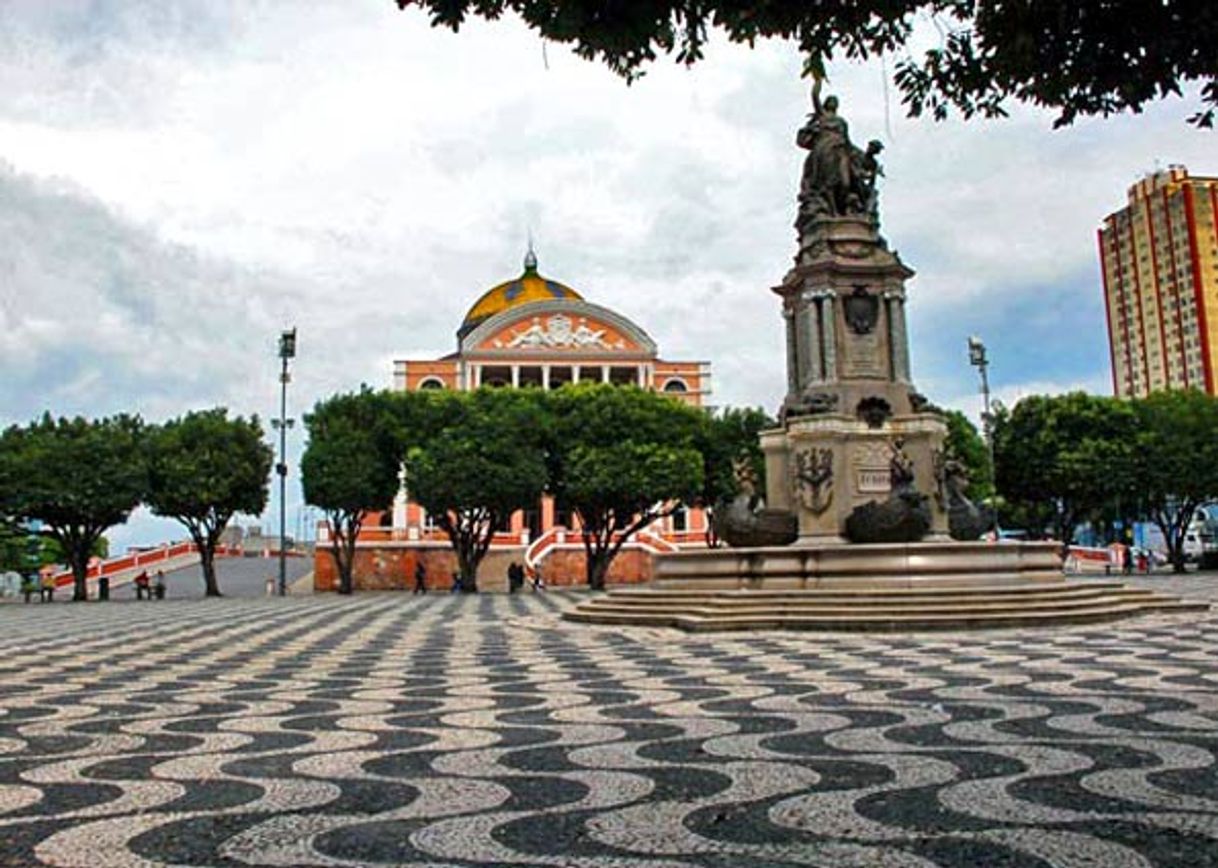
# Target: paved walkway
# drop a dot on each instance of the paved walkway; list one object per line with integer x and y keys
{"x": 463, "y": 731}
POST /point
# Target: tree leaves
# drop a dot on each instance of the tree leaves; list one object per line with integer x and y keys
{"x": 202, "y": 469}
{"x": 1085, "y": 57}
{"x": 77, "y": 476}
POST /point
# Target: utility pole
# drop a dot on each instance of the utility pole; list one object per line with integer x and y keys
{"x": 287, "y": 350}
{"x": 977, "y": 358}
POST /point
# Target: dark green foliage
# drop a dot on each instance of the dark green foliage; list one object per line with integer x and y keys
{"x": 202, "y": 469}
{"x": 1078, "y": 58}
{"x": 350, "y": 467}
{"x": 1061, "y": 459}
{"x": 730, "y": 443}
{"x": 621, "y": 458}
{"x": 483, "y": 460}
{"x": 967, "y": 446}
{"x": 78, "y": 477}
{"x": 1174, "y": 467}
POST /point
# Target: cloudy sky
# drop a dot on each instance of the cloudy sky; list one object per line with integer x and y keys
{"x": 180, "y": 180}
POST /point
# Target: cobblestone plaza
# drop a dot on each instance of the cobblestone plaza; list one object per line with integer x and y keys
{"x": 464, "y": 731}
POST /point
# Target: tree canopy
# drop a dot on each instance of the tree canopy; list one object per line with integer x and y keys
{"x": 1174, "y": 467}
{"x": 622, "y": 458}
{"x": 1078, "y": 58}
{"x": 482, "y": 465}
{"x": 203, "y": 468}
{"x": 350, "y": 467}
{"x": 78, "y": 477}
{"x": 1062, "y": 458}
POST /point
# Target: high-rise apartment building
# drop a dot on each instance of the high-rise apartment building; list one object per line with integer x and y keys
{"x": 1159, "y": 256}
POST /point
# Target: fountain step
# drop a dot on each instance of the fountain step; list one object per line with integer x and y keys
{"x": 881, "y": 609}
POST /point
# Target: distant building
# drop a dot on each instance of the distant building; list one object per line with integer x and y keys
{"x": 528, "y": 332}
{"x": 1159, "y": 260}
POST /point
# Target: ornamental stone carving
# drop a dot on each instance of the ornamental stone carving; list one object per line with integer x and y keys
{"x": 862, "y": 311}
{"x": 814, "y": 479}
{"x": 557, "y": 333}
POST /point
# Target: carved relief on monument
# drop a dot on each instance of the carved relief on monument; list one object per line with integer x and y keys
{"x": 862, "y": 311}
{"x": 872, "y": 474}
{"x": 814, "y": 479}
{"x": 559, "y": 332}
{"x": 874, "y": 411}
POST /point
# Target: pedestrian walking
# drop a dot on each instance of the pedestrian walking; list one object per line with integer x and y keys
{"x": 538, "y": 583}
{"x": 420, "y": 578}
{"x": 142, "y": 591}
{"x": 1127, "y": 560}
{"x": 456, "y": 582}
{"x": 159, "y": 587}
{"x": 46, "y": 589}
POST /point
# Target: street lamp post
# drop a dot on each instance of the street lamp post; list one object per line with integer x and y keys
{"x": 977, "y": 358}
{"x": 287, "y": 350}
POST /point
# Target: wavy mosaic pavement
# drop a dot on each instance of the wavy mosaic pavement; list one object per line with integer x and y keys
{"x": 450, "y": 731}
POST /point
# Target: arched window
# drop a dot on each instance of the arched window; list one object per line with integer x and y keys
{"x": 675, "y": 385}
{"x": 432, "y": 383}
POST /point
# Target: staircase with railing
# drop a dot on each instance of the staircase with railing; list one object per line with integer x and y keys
{"x": 560, "y": 537}
{"x": 170, "y": 556}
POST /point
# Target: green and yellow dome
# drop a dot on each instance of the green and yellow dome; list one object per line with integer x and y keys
{"x": 527, "y": 288}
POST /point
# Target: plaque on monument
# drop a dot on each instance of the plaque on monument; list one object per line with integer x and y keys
{"x": 864, "y": 356}
{"x": 874, "y": 480}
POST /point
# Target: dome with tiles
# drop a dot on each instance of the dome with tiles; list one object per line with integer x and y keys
{"x": 527, "y": 288}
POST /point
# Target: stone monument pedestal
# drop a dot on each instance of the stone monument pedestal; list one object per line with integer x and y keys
{"x": 857, "y": 460}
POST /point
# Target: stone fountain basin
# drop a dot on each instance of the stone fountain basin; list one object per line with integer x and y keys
{"x": 845, "y": 565}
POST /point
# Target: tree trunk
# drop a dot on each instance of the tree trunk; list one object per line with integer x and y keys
{"x": 346, "y": 567}
{"x": 344, "y": 533}
{"x": 207, "y": 559}
{"x": 1173, "y": 537}
{"x": 469, "y": 572}
{"x": 597, "y": 565}
{"x": 80, "y": 575}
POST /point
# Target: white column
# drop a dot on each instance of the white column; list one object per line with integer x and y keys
{"x": 828, "y": 320}
{"x": 898, "y": 340}
{"x": 515, "y": 376}
{"x": 477, "y": 376}
{"x": 642, "y": 377}
{"x": 575, "y": 373}
{"x": 788, "y": 316}
{"x": 545, "y": 377}
{"x": 812, "y": 315}
{"x": 604, "y": 373}
{"x": 805, "y": 322}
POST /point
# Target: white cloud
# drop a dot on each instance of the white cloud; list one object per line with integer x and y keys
{"x": 187, "y": 178}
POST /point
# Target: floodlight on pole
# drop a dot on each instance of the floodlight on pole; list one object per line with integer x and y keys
{"x": 287, "y": 350}
{"x": 978, "y": 359}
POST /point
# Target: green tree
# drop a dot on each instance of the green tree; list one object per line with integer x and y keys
{"x": 12, "y": 547}
{"x": 1084, "y": 57}
{"x": 350, "y": 467}
{"x": 484, "y": 464}
{"x": 203, "y": 468}
{"x": 622, "y": 458}
{"x": 967, "y": 446}
{"x": 1060, "y": 458}
{"x": 78, "y": 477}
{"x": 1174, "y": 468}
{"x": 727, "y": 440}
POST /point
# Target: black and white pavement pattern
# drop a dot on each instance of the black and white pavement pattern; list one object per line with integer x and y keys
{"x": 387, "y": 729}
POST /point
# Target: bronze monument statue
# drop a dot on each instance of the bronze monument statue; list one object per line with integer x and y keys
{"x": 839, "y": 179}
